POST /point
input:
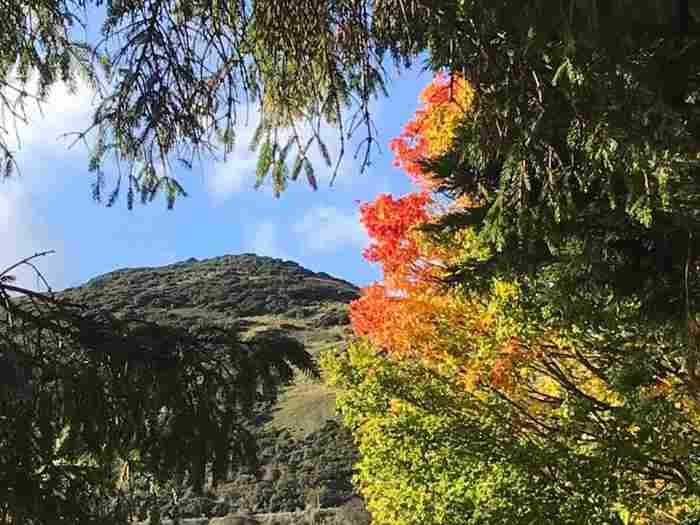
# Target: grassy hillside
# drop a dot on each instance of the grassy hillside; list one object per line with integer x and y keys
{"x": 246, "y": 291}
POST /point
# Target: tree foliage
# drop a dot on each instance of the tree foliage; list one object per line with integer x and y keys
{"x": 525, "y": 377}
{"x": 431, "y": 132}
{"x": 174, "y": 78}
{"x": 90, "y": 402}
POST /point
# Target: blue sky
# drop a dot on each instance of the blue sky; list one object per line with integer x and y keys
{"x": 50, "y": 206}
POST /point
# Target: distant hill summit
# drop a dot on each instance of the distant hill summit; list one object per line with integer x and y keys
{"x": 219, "y": 289}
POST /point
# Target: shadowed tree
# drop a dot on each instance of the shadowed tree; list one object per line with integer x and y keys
{"x": 84, "y": 392}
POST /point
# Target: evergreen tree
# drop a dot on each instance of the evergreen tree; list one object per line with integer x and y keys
{"x": 91, "y": 404}
{"x": 174, "y": 76}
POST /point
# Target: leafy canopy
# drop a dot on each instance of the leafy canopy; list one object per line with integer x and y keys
{"x": 529, "y": 378}
{"x": 174, "y": 78}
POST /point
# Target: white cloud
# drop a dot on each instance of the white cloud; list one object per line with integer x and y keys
{"x": 326, "y": 228}
{"x": 232, "y": 176}
{"x": 22, "y": 230}
{"x": 62, "y": 112}
{"x": 265, "y": 240}
{"x": 237, "y": 172}
{"x": 22, "y": 234}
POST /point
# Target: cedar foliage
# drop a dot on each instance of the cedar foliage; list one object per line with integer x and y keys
{"x": 90, "y": 401}
{"x": 174, "y": 77}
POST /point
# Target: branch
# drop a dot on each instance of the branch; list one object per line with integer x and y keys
{"x": 26, "y": 261}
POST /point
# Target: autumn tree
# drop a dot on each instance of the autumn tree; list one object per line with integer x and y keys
{"x": 550, "y": 367}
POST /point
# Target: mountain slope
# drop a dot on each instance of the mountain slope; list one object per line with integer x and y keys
{"x": 246, "y": 291}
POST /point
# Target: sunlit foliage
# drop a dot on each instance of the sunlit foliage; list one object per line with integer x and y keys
{"x": 431, "y": 132}
{"x": 176, "y": 79}
{"x": 558, "y": 376}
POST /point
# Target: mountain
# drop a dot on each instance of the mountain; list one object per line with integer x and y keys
{"x": 224, "y": 289}
{"x": 305, "y": 455}
{"x": 246, "y": 291}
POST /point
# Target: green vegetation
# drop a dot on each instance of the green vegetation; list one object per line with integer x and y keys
{"x": 174, "y": 76}
{"x": 314, "y": 471}
{"x": 303, "y": 406}
{"x": 533, "y": 355}
{"x": 105, "y": 416}
{"x": 290, "y": 475}
{"x": 249, "y": 293}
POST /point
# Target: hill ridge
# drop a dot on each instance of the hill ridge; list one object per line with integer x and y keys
{"x": 227, "y": 287}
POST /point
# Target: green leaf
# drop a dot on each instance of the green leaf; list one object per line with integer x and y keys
{"x": 264, "y": 163}
{"x": 227, "y": 136}
{"x": 279, "y": 178}
{"x": 310, "y": 176}
{"x": 257, "y": 136}
{"x": 563, "y": 67}
{"x": 324, "y": 152}
{"x": 285, "y": 150}
{"x": 296, "y": 167}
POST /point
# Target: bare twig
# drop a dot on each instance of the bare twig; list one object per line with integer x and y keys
{"x": 27, "y": 262}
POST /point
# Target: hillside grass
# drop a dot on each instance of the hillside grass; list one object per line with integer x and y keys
{"x": 303, "y": 407}
{"x": 307, "y": 403}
